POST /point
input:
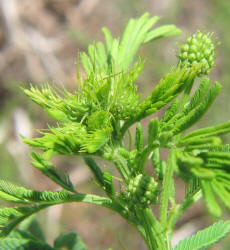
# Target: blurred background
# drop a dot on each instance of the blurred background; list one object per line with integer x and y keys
{"x": 39, "y": 42}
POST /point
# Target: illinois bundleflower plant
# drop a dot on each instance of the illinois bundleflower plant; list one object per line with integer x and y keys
{"x": 92, "y": 123}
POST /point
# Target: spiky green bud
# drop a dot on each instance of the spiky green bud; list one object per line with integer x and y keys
{"x": 143, "y": 190}
{"x": 198, "y": 50}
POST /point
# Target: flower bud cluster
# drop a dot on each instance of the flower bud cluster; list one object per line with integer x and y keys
{"x": 143, "y": 190}
{"x": 198, "y": 50}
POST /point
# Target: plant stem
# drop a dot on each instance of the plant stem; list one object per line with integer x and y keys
{"x": 143, "y": 157}
{"x": 122, "y": 166}
{"x": 155, "y": 238}
{"x": 119, "y": 161}
{"x": 179, "y": 209}
{"x": 167, "y": 185}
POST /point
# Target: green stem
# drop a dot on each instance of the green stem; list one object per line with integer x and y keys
{"x": 120, "y": 162}
{"x": 143, "y": 156}
{"x": 179, "y": 209}
{"x": 130, "y": 140}
{"x": 122, "y": 166}
{"x": 126, "y": 125}
{"x": 167, "y": 185}
{"x": 155, "y": 238}
{"x": 107, "y": 203}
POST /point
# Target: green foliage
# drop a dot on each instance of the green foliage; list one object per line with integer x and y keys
{"x": 205, "y": 238}
{"x": 70, "y": 241}
{"x": 98, "y": 174}
{"x": 30, "y": 236}
{"x": 153, "y": 131}
{"x": 143, "y": 152}
{"x": 158, "y": 165}
{"x": 92, "y": 123}
{"x": 192, "y": 111}
{"x": 11, "y": 192}
{"x": 11, "y": 217}
{"x": 162, "y": 31}
{"x": 166, "y": 90}
{"x": 119, "y": 55}
{"x": 195, "y": 114}
{"x": 105, "y": 179}
{"x": 48, "y": 169}
{"x": 212, "y": 169}
{"x": 35, "y": 201}
{"x": 21, "y": 240}
{"x": 33, "y": 227}
{"x": 139, "y": 137}
{"x": 108, "y": 186}
{"x": 60, "y": 104}
{"x": 220, "y": 129}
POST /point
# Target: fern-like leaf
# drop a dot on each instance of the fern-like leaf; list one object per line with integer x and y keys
{"x": 195, "y": 114}
{"x": 33, "y": 227}
{"x": 11, "y": 217}
{"x": 205, "y": 238}
{"x": 27, "y": 195}
{"x": 162, "y": 31}
{"x": 109, "y": 186}
{"x": 95, "y": 140}
{"x": 117, "y": 56}
{"x": 70, "y": 241}
{"x": 21, "y": 240}
{"x": 153, "y": 131}
{"x": 98, "y": 174}
{"x": 171, "y": 111}
{"x": 217, "y": 130}
{"x": 210, "y": 198}
{"x": 139, "y": 142}
{"x": 192, "y": 187}
{"x": 49, "y": 170}
{"x": 134, "y": 35}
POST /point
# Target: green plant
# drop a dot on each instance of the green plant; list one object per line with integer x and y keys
{"x": 92, "y": 123}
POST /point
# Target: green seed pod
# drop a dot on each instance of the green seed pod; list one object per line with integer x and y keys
{"x": 143, "y": 190}
{"x": 198, "y": 50}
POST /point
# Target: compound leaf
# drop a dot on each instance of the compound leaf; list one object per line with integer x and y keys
{"x": 210, "y": 199}
{"x": 162, "y": 31}
{"x": 98, "y": 174}
{"x": 49, "y": 170}
{"x": 171, "y": 111}
{"x": 11, "y": 217}
{"x": 205, "y": 238}
{"x": 134, "y": 35}
{"x": 220, "y": 129}
{"x": 109, "y": 186}
{"x": 139, "y": 142}
{"x": 21, "y": 240}
{"x": 33, "y": 227}
{"x": 70, "y": 241}
{"x": 27, "y": 195}
{"x": 153, "y": 130}
{"x": 195, "y": 114}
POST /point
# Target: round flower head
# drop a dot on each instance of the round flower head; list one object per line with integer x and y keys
{"x": 198, "y": 50}
{"x": 143, "y": 190}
